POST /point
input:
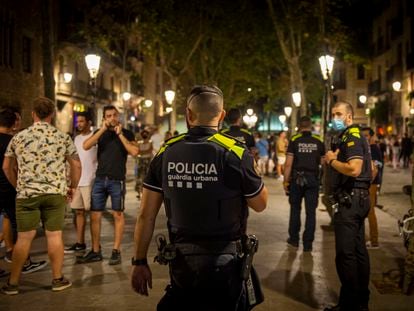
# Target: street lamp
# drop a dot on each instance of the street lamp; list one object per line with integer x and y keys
{"x": 362, "y": 99}
{"x": 250, "y": 118}
{"x": 67, "y": 77}
{"x": 148, "y": 103}
{"x": 288, "y": 111}
{"x": 169, "y": 96}
{"x": 297, "y": 98}
{"x": 92, "y": 63}
{"x": 126, "y": 96}
{"x": 396, "y": 86}
{"x": 326, "y": 63}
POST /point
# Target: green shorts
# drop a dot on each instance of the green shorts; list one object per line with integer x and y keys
{"x": 50, "y": 208}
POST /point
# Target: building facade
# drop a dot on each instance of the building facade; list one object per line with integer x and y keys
{"x": 392, "y": 61}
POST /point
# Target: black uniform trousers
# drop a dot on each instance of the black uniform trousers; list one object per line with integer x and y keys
{"x": 352, "y": 259}
{"x": 310, "y": 192}
{"x": 204, "y": 283}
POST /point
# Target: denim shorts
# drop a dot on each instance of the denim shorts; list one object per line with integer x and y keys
{"x": 104, "y": 187}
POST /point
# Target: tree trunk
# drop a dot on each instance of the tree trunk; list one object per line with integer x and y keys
{"x": 47, "y": 50}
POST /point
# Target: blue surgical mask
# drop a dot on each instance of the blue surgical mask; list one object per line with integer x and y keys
{"x": 338, "y": 124}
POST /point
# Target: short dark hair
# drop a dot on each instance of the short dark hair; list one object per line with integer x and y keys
{"x": 86, "y": 115}
{"x": 43, "y": 107}
{"x": 234, "y": 115}
{"x": 206, "y": 101}
{"x": 370, "y": 131}
{"x": 109, "y": 107}
{"x": 348, "y": 107}
{"x": 7, "y": 117}
{"x": 305, "y": 122}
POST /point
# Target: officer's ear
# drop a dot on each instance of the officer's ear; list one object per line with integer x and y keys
{"x": 222, "y": 115}
{"x": 190, "y": 114}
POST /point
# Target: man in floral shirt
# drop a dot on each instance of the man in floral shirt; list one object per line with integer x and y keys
{"x": 35, "y": 163}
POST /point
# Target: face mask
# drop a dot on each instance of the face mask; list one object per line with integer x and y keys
{"x": 338, "y": 124}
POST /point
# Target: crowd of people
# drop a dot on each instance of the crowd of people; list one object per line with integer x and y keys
{"x": 44, "y": 170}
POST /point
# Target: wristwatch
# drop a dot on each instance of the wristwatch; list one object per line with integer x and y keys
{"x": 139, "y": 262}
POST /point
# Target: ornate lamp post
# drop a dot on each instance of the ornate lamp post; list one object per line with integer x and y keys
{"x": 326, "y": 63}
{"x": 169, "y": 97}
{"x": 92, "y": 63}
{"x": 250, "y": 118}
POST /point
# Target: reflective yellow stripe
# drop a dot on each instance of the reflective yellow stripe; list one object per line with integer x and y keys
{"x": 170, "y": 142}
{"x": 225, "y": 130}
{"x": 296, "y": 136}
{"x": 317, "y": 137}
{"x": 228, "y": 143}
{"x": 246, "y": 131}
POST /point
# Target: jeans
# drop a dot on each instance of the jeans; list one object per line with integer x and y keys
{"x": 352, "y": 260}
{"x": 310, "y": 192}
{"x": 104, "y": 187}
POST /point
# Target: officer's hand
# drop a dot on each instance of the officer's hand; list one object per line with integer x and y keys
{"x": 330, "y": 155}
{"x": 141, "y": 279}
{"x": 286, "y": 187}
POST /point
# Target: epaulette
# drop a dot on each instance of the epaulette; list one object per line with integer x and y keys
{"x": 170, "y": 142}
{"x": 239, "y": 142}
{"x": 317, "y": 137}
{"x": 246, "y": 131}
{"x": 354, "y": 131}
{"x": 229, "y": 143}
{"x": 296, "y": 136}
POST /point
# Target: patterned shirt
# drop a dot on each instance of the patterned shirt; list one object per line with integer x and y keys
{"x": 40, "y": 151}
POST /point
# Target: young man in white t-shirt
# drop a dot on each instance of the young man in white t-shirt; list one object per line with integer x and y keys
{"x": 81, "y": 201}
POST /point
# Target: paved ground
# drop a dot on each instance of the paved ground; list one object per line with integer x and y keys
{"x": 291, "y": 280}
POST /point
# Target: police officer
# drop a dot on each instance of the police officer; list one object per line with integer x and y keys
{"x": 305, "y": 154}
{"x": 235, "y": 119}
{"x": 351, "y": 163}
{"x": 206, "y": 181}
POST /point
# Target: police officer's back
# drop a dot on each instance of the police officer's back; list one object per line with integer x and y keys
{"x": 206, "y": 181}
{"x": 351, "y": 163}
{"x": 301, "y": 180}
{"x": 235, "y": 130}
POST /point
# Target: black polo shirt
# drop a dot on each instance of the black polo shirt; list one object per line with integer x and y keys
{"x": 239, "y": 173}
{"x": 205, "y": 186}
{"x": 353, "y": 145}
{"x": 307, "y": 150}
{"x": 240, "y": 134}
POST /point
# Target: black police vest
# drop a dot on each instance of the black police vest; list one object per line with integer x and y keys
{"x": 364, "y": 179}
{"x": 199, "y": 201}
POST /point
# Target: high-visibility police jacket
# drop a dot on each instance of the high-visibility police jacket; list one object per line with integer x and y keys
{"x": 205, "y": 178}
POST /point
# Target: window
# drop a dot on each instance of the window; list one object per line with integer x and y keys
{"x": 6, "y": 41}
{"x": 360, "y": 72}
{"x": 27, "y": 54}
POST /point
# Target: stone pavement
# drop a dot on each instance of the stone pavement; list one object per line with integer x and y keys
{"x": 291, "y": 279}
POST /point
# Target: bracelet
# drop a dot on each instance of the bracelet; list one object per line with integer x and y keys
{"x": 139, "y": 262}
{"x": 330, "y": 162}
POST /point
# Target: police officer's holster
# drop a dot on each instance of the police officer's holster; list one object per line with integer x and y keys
{"x": 221, "y": 271}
